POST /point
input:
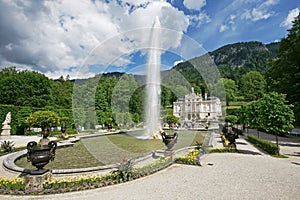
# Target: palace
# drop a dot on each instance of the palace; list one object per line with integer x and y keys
{"x": 194, "y": 111}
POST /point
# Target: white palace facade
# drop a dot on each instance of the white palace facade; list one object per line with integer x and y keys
{"x": 194, "y": 111}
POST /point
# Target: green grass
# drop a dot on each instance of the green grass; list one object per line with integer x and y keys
{"x": 67, "y": 158}
{"x": 280, "y": 156}
{"x": 96, "y": 151}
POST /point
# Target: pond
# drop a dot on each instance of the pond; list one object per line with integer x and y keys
{"x": 110, "y": 149}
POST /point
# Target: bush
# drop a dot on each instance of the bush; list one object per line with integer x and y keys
{"x": 231, "y": 118}
{"x": 267, "y": 146}
{"x": 232, "y": 111}
{"x": 238, "y": 131}
{"x": 7, "y": 146}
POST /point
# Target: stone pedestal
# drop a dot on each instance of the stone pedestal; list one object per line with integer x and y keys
{"x": 168, "y": 153}
{"x": 5, "y": 130}
{"x": 34, "y": 182}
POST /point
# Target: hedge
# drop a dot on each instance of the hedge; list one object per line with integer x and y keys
{"x": 238, "y": 131}
{"x": 232, "y": 111}
{"x": 267, "y": 146}
{"x": 20, "y": 113}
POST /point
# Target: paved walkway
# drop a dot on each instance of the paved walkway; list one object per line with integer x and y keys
{"x": 249, "y": 174}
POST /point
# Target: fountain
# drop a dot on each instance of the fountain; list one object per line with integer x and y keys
{"x": 153, "y": 83}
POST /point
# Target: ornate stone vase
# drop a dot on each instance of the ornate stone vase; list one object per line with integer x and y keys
{"x": 63, "y": 129}
{"x": 40, "y": 155}
{"x": 169, "y": 140}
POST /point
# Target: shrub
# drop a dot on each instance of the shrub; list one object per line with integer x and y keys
{"x": 124, "y": 170}
{"x": 238, "y": 131}
{"x": 231, "y": 118}
{"x": 232, "y": 111}
{"x": 267, "y": 146}
{"x": 7, "y": 146}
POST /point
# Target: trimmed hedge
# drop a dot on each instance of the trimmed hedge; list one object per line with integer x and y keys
{"x": 232, "y": 111}
{"x": 20, "y": 113}
{"x": 267, "y": 146}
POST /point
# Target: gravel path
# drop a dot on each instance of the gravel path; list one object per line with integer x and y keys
{"x": 222, "y": 176}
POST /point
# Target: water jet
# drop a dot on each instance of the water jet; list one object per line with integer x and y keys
{"x": 153, "y": 84}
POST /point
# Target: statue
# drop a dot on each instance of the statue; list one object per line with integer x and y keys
{"x": 5, "y": 125}
{"x": 7, "y": 119}
{"x": 45, "y": 140}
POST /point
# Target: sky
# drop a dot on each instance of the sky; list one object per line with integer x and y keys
{"x": 87, "y": 37}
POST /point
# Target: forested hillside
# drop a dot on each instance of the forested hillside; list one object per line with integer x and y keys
{"x": 235, "y": 60}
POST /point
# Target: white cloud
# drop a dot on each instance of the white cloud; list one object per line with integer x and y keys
{"x": 223, "y": 28}
{"x": 200, "y": 19}
{"x": 231, "y": 19}
{"x": 194, "y": 4}
{"x": 51, "y": 36}
{"x": 260, "y": 11}
{"x": 269, "y": 3}
{"x": 290, "y": 18}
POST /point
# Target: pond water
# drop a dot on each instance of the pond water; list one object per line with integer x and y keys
{"x": 110, "y": 149}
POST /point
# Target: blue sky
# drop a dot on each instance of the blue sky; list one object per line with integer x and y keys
{"x": 83, "y": 38}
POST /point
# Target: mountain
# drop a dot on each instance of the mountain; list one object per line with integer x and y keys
{"x": 244, "y": 53}
{"x": 234, "y": 60}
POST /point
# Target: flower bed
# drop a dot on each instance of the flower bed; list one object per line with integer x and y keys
{"x": 190, "y": 159}
{"x": 222, "y": 150}
{"x": 16, "y": 186}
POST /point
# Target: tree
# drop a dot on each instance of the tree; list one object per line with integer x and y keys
{"x": 277, "y": 116}
{"x": 232, "y": 119}
{"x": 120, "y": 99}
{"x": 171, "y": 119}
{"x": 252, "y": 85}
{"x": 243, "y": 117}
{"x": 24, "y": 88}
{"x": 61, "y": 91}
{"x": 283, "y": 75}
{"x": 230, "y": 89}
{"x": 103, "y": 95}
{"x": 43, "y": 119}
{"x": 254, "y": 115}
{"x": 136, "y": 104}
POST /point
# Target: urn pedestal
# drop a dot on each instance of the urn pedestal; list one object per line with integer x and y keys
{"x": 39, "y": 156}
{"x": 6, "y": 131}
{"x": 35, "y": 182}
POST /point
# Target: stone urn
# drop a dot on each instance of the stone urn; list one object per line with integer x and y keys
{"x": 40, "y": 155}
{"x": 169, "y": 140}
{"x": 63, "y": 129}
